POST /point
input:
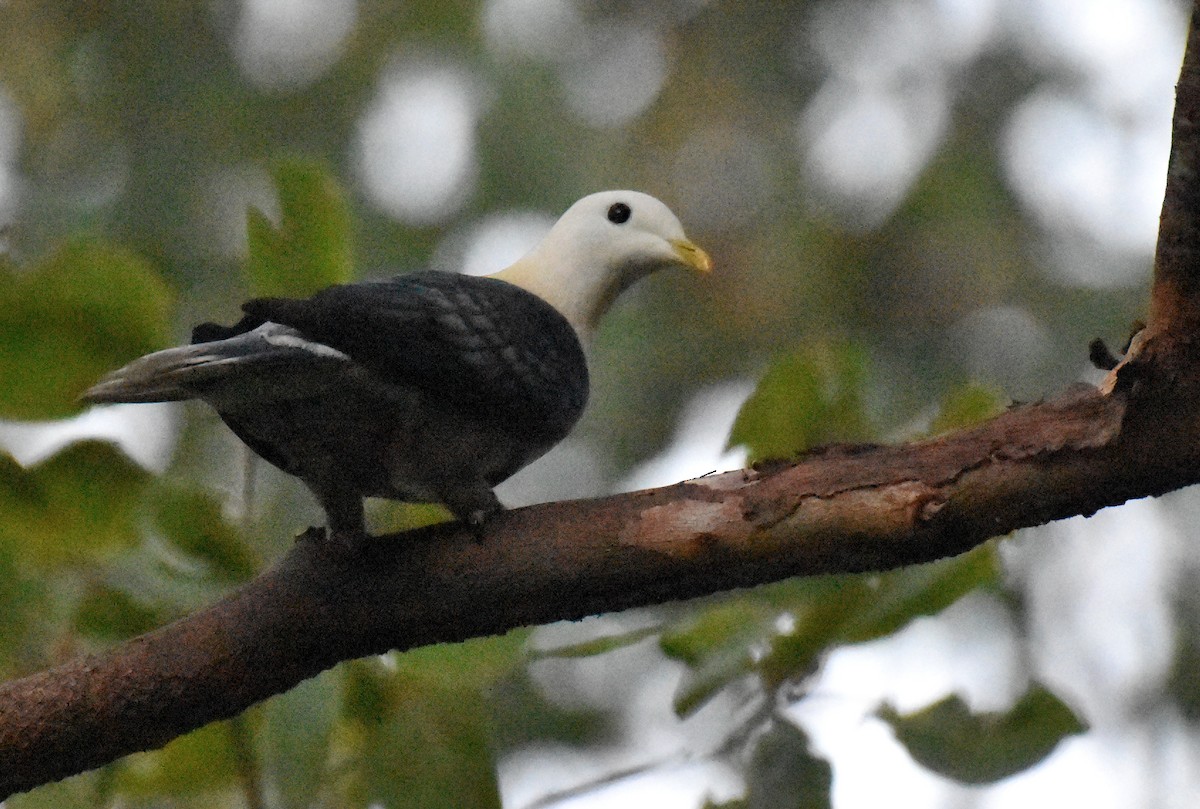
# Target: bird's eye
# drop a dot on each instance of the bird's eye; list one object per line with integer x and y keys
{"x": 619, "y": 213}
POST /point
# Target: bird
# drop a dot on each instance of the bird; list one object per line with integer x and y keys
{"x": 429, "y": 386}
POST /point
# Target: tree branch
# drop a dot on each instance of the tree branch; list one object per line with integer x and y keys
{"x": 840, "y": 510}
{"x": 1175, "y": 298}
{"x": 837, "y": 510}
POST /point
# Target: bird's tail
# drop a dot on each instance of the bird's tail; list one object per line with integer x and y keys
{"x": 170, "y": 375}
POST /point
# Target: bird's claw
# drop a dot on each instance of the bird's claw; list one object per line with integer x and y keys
{"x": 344, "y": 541}
{"x": 478, "y": 519}
{"x": 352, "y": 541}
{"x": 314, "y": 533}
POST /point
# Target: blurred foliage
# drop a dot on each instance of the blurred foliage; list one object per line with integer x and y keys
{"x": 189, "y": 766}
{"x": 81, "y": 311}
{"x": 192, "y": 523}
{"x": 77, "y": 504}
{"x": 311, "y": 248}
{"x": 812, "y": 396}
{"x": 598, "y": 646}
{"x": 143, "y": 139}
{"x": 418, "y": 734}
{"x": 783, "y": 773}
{"x": 736, "y": 638}
{"x": 82, "y": 792}
{"x": 295, "y": 735}
{"x": 981, "y": 748}
{"x": 1182, "y": 683}
{"x": 967, "y": 405}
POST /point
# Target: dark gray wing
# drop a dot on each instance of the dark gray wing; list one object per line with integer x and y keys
{"x": 484, "y": 346}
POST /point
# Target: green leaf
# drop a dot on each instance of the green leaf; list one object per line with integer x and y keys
{"x": 193, "y": 522}
{"x": 900, "y": 596}
{"x": 432, "y": 751}
{"x": 714, "y": 627}
{"x": 202, "y": 760}
{"x": 597, "y": 646}
{"x": 703, "y": 681}
{"x": 982, "y": 748}
{"x": 821, "y": 609}
{"x": 862, "y": 607}
{"x": 809, "y": 397}
{"x": 67, "y": 320}
{"x": 1182, "y": 683}
{"x": 394, "y": 516}
{"x": 416, "y": 742}
{"x": 521, "y": 713}
{"x": 111, "y": 614}
{"x": 470, "y": 665}
{"x": 967, "y": 405}
{"x": 79, "y": 792}
{"x": 311, "y": 247}
{"x": 366, "y": 690}
{"x": 79, "y": 504}
{"x": 156, "y": 584}
{"x": 784, "y": 772}
{"x": 295, "y": 739}
{"x": 420, "y": 733}
{"x": 23, "y": 605}
{"x": 715, "y": 644}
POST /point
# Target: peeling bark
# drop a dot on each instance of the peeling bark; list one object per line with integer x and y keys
{"x": 837, "y": 510}
{"x": 842, "y": 509}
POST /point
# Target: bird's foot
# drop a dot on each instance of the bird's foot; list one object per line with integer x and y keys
{"x": 344, "y": 541}
{"x": 473, "y": 505}
{"x": 313, "y": 533}
{"x": 353, "y": 541}
{"x": 477, "y": 520}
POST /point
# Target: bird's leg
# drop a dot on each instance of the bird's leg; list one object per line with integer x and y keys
{"x": 473, "y": 502}
{"x": 347, "y": 523}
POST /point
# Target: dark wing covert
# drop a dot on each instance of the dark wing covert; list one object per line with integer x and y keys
{"x": 488, "y": 347}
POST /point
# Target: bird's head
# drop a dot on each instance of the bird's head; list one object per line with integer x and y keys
{"x": 598, "y": 248}
{"x": 628, "y": 233}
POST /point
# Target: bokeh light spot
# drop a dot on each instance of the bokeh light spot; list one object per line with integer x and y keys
{"x": 286, "y": 44}
{"x": 416, "y": 143}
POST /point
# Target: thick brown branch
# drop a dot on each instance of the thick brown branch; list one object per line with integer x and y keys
{"x": 1175, "y": 299}
{"x": 840, "y": 510}
{"x": 843, "y": 510}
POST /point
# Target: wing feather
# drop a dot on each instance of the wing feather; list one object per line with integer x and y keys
{"x": 482, "y": 345}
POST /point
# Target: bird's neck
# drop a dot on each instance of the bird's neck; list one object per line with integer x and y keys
{"x": 581, "y": 294}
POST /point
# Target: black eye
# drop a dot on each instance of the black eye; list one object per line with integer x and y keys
{"x": 619, "y": 213}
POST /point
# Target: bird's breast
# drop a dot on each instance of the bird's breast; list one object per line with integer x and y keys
{"x": 387, "y": 440}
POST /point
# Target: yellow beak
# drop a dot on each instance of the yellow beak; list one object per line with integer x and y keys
{"x": 692, "y": 256}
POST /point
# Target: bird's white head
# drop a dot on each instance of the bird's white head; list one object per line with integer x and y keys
{"x": 597, "y": 249}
